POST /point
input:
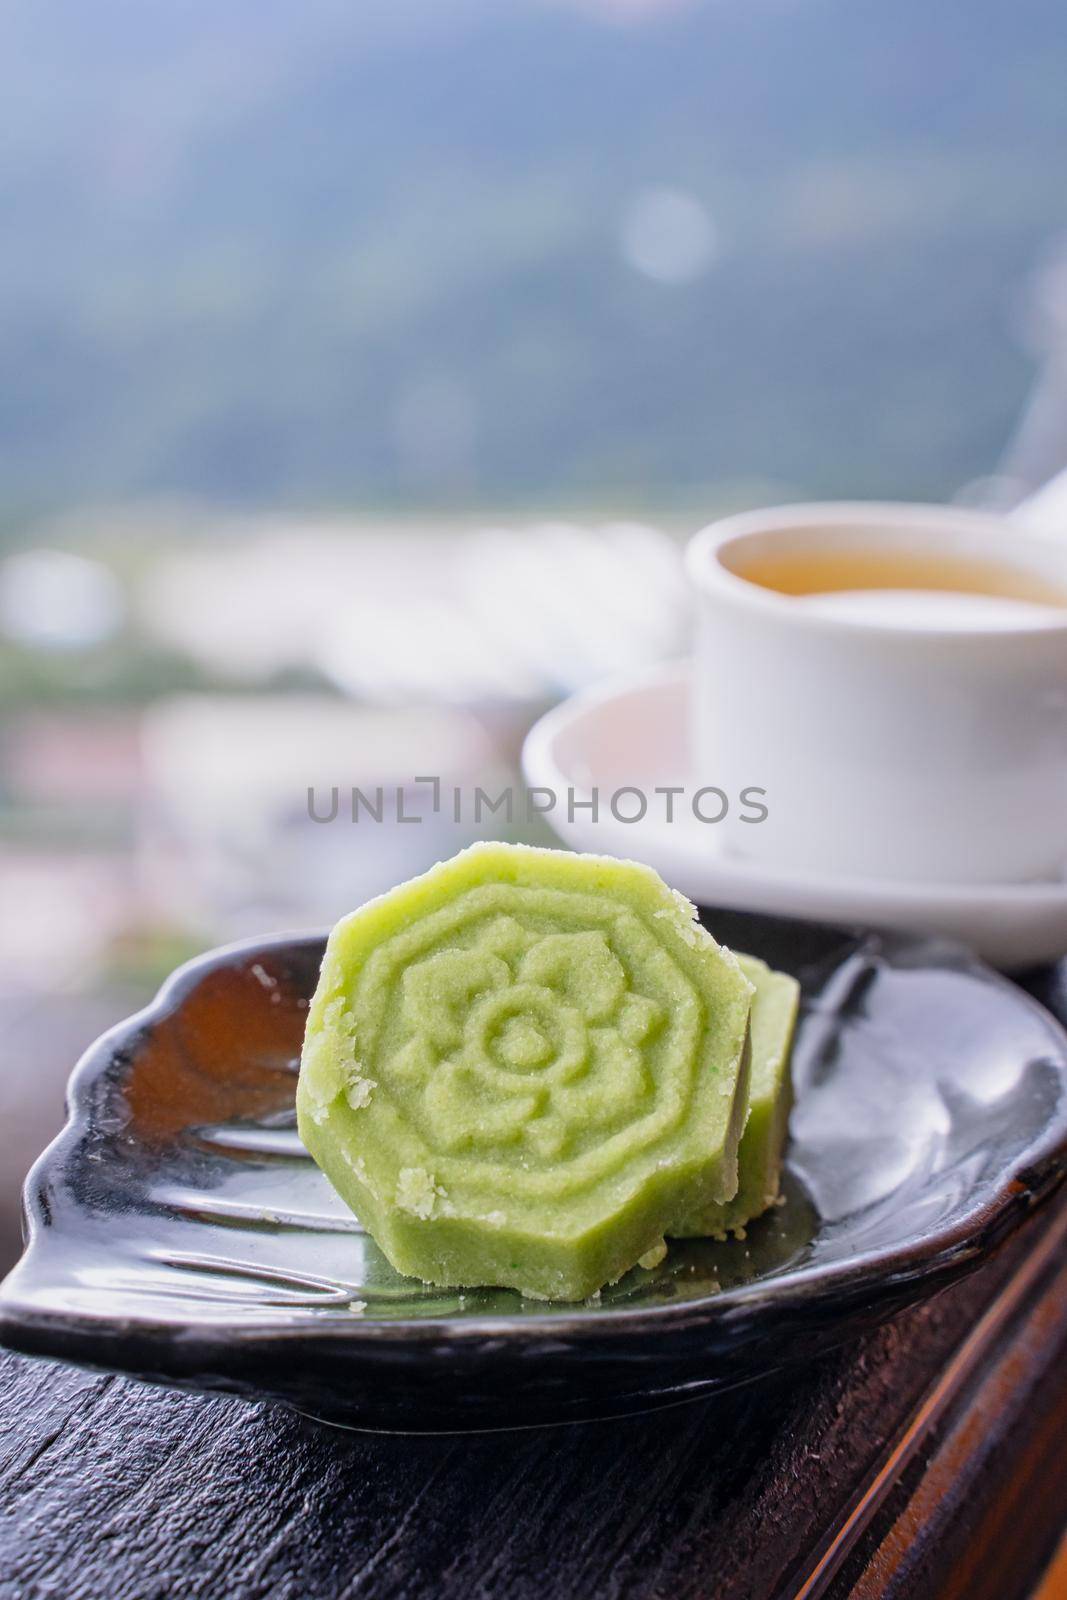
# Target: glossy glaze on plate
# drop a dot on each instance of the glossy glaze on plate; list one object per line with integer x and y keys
{"x": 177, "y": 1229}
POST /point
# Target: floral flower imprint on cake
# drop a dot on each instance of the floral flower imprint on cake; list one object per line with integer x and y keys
{"x": 522, "y": 1039}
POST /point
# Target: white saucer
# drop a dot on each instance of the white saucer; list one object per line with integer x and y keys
{"x": 636, "y": 733}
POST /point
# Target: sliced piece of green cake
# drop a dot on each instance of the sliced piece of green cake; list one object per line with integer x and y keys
{"x": 774, "y": 1015}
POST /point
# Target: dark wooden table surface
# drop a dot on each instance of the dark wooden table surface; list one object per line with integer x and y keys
{"x": 927, "y": 1461}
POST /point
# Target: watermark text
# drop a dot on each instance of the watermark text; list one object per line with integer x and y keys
{"x": 630, "y": 803}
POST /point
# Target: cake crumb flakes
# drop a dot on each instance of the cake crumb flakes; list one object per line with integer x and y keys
{"x": 358, "y": 1165}
{"x": 416, "y": 1192}
{"x": 358, "y": 1090}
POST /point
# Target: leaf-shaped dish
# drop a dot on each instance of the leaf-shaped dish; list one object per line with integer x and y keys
{"x": 178, "y": 1231}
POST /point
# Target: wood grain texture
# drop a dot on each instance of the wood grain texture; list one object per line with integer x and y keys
{"x": 119, "y": 1491}
{"x": 1053, "y": 1585}
{"x": 975, "y": 1495}
{"x": 111, "y": 1488}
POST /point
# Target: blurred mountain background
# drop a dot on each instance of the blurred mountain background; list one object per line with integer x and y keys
{"x": 472, "y": 254}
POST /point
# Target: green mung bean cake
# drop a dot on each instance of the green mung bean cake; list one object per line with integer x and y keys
{"x": 523, "y": 1066}
{"x": 759, "y": 1159}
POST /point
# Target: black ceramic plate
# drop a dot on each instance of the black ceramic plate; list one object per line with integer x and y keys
{"x": 178, "y": 1231}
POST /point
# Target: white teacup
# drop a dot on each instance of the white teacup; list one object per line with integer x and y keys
{"x": 897, "y": 736}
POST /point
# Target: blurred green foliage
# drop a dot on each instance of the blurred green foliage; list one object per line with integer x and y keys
{"x": 120, "y": 673}
{"x": 244, "y": 240}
